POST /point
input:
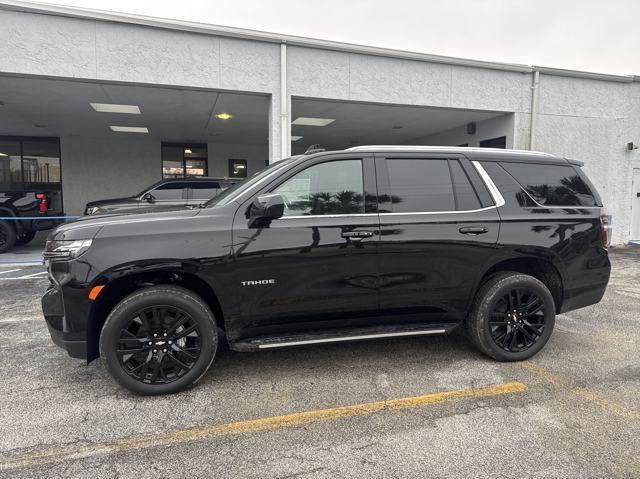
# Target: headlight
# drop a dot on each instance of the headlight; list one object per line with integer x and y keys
{"x": 92, "y": 210}
{"x": 66, "y": 249}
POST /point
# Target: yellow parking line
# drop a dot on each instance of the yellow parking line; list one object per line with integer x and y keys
{"x": 580, "y": 392}
{"x": 72, "y": 452}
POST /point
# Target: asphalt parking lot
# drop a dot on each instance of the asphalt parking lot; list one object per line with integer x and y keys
{"x": 420, "y": 407}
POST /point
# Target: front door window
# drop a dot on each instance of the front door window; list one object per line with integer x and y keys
{"x": 331, "y": 188}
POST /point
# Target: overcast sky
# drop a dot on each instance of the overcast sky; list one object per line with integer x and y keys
{"x": 593, "y": 35}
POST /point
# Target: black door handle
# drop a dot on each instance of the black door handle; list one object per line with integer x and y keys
{"x": 357, "y": 235}
{"x": 477, "y": 230}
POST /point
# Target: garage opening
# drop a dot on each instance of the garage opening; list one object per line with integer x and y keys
{"x": 336, "y": 125}
{"x": 116, "y": 139}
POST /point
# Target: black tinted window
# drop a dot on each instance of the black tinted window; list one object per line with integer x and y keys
{"x": 419, "y": 185}
{"x": 331, "y": 188}
{"x": 169, "y": 191}
{"x": 553, "y": 185}
{"x": 204, "y": 190}
{"x": 465, "y": 194}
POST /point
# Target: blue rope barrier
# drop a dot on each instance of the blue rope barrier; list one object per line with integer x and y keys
{"x": 19, "y": 218}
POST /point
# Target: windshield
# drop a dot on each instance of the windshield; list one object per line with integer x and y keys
{"x": 232, "y": 193}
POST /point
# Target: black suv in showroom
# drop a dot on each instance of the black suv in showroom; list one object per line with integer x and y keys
{"x": 163, "y": 194}
{"x": 369, "y": 242}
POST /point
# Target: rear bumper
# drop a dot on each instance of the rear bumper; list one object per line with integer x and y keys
{"x": 53, "y": 309}
{"x": 589, "y": 290}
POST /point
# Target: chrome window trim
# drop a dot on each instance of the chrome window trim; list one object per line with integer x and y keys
{"x": 296, "y": 217}
{"x": 493, "y": 189}
{"x": 404, "y": 213}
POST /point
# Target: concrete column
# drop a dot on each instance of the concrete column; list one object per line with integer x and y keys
{"x": 285, "y": 124}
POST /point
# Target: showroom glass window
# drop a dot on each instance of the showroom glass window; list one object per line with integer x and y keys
{"x": 29, "y": 163}
{"x": 184, "y": 160}
{"x": 331, "y": 188}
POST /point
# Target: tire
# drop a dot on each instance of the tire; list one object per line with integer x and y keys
{"x": 25, "y": 238}
{"x": 154, "y": 368}
{"x": 7, "y": 236}
{"x": 496, "y": 331}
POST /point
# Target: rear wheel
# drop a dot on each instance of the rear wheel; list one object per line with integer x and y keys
{"x": 512, "y": 317}
{"x": 25, "y": 238}
{"x": 7, "y": 236}
{"x": 159, "y": 340}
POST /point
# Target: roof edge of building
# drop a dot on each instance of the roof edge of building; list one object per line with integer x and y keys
{"x": 256, "y": 35}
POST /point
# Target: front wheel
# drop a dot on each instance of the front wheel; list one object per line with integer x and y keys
{"x": 25, "y": 238}
{"x": 159, "y": 340}
{"x": 512, "y": 317}
{"x": 7, "y": 236}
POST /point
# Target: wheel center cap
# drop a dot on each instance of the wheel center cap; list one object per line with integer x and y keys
{"x": 160, "y": 343}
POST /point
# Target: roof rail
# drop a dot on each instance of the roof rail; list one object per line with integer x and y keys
{"x": 444, "y": 148}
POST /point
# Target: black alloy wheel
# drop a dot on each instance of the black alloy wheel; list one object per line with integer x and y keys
{"x": 512, "y": 316}
{"x": 517, "y": 320}
{"x": 7, "y": 236}
{"x": 159, "y": 344}
{"x": 159, "y": 340}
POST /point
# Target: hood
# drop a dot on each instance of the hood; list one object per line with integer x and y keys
{"x": 134, "y": 210}
{"x": 87, "y": 227}
{"x": 111, "y": 201}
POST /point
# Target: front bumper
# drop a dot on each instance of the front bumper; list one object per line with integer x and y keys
{"x": 53, "y": 308}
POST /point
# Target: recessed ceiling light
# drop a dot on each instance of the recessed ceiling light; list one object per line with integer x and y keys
{"x": 187, "y": 151}
{"x": 113, "y": 108}
{"x": 3, "y": 154}
{"x": 130, "y": 129}
{"x": 223, "y": 116}
{"x": 295, "y": 138}
{"x": 307, "y": 121}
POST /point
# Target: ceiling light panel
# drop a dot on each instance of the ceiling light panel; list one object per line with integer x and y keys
{"x": 113, "y": 108}
{"x": 130, "y": 129}
{"x": 308, "y": 121}
{"x": 295, "y": 138}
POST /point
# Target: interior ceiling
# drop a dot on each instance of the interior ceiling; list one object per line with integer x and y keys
{"x": 372, "y": 124}
{"x": 43, "y": 107}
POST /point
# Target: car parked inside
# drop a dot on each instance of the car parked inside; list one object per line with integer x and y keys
{"x": 365, "y": 243}
{"x": 163, "y": 194}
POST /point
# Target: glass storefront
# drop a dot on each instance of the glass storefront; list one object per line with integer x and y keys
{"x": 184, "y": 160}
{"x": 29, "y": 163}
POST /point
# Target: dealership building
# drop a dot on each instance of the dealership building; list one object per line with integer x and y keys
{"x": 107, "y": 104}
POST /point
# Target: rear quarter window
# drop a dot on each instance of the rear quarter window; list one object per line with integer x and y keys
{"x": 552, "y": 185}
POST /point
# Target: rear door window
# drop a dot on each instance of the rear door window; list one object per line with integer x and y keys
{"x": 420, "y": 185}
{"x": 552, "y": 185}
{"x": 466, "y": 197}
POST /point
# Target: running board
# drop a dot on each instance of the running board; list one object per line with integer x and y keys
{"x": 336, "y": 336}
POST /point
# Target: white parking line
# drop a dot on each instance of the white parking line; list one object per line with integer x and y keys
{"x": 33, "y": 275}
{"x": 10, "y": 271}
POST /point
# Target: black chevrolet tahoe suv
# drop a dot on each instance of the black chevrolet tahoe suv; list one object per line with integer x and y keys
{"x": 369, "y": 242}
{"x": 163, "y": 194}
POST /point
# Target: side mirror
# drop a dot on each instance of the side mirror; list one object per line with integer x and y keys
{"x": 148, "y": 197}
{"x": 264, "y": 209}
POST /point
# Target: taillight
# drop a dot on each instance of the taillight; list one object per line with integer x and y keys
{"x": 44, "y": 204}
{"x": 606, "y": 228}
